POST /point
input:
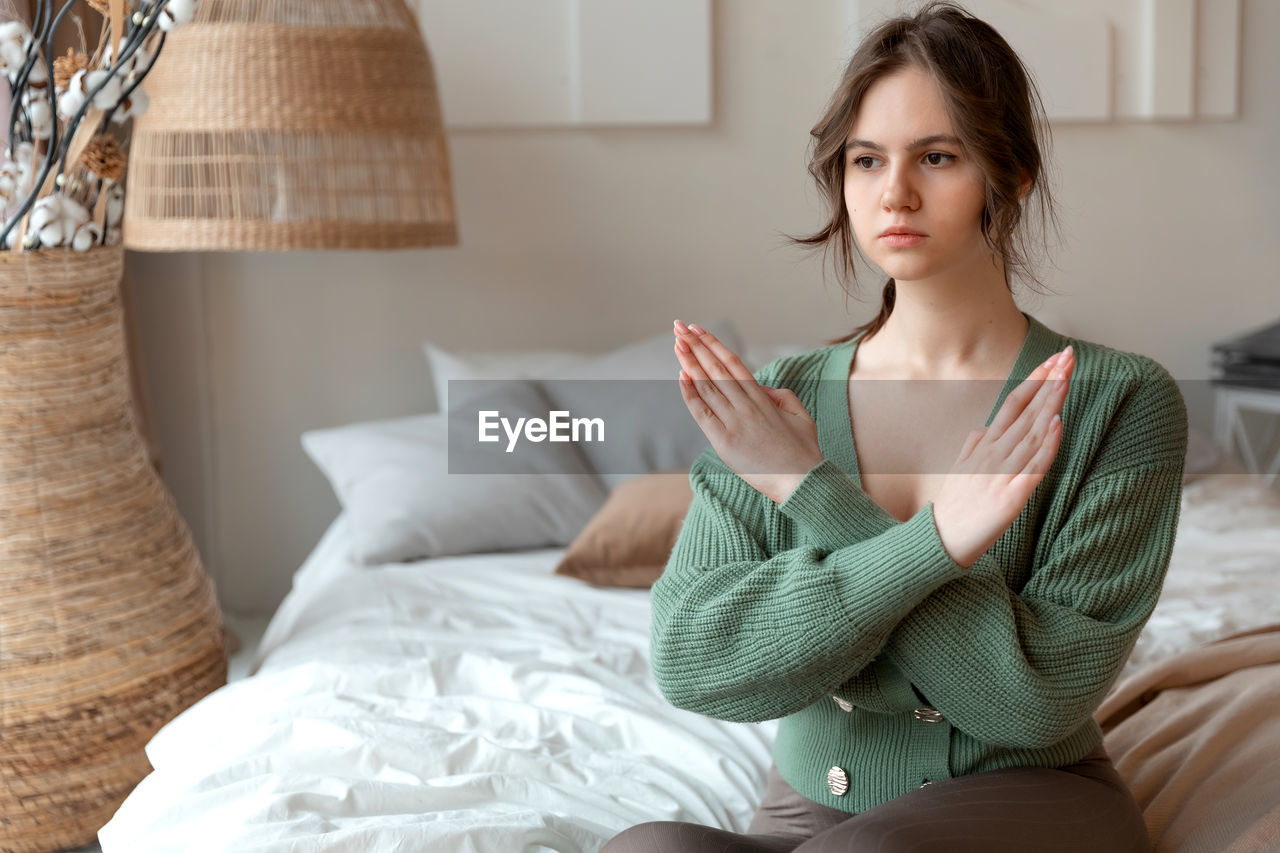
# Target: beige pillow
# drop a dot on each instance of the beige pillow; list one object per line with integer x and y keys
{"x": 629, "y": 539}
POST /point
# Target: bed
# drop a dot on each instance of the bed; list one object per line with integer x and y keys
{"x": 482, "y": 702}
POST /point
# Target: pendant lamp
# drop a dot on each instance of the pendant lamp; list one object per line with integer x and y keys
{"x": 291, "y": 124}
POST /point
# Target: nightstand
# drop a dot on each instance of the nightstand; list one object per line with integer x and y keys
{"x": 1230, "y": 403}
{"x": 1246, "y": 378}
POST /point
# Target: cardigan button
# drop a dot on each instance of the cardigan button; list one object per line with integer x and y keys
{"x": 837, "y": 781}
{"x": 845, "y": 705}
{"x": 928, "y": 715}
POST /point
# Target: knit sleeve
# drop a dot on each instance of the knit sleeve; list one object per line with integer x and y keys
{"x": 1025, "y": 669}
{"x": 743, "y": 635}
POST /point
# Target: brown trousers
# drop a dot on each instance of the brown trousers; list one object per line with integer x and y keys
{"x": 1081, "y": 808}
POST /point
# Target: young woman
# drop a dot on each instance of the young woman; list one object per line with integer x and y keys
{"x": 932, "y": 589}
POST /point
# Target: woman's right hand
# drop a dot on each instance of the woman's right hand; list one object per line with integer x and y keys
{"x": 1000, "y": 465}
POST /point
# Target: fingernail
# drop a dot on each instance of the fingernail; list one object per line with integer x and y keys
{"x": 1067, "y": 352}
{"x": 681, "y": 327}
{"x": 696, "y": 329}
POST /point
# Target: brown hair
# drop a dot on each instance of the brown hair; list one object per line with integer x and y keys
{"x": 994, "y": 107}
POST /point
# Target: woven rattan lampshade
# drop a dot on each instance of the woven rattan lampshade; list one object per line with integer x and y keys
{"x": 291, "y": 124}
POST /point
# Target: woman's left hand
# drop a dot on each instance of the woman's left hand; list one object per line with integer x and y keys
{"x": 764, "y": 434}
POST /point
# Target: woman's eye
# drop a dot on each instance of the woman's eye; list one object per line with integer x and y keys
{"x": 937, "y": 158}
{"x": 863, "y": 162}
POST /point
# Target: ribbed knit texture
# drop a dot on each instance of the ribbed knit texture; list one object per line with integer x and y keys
{"x": 768, "y": 611}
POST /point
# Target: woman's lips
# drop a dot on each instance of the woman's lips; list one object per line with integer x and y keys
{"x": 902, "y": 241}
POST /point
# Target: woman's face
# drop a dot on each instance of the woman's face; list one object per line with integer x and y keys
{"x": 905, "y": 169}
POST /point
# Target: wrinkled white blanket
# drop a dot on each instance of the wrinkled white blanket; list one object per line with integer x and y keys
{"x": 465, "y": 704}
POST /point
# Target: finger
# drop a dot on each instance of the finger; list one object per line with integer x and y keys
{"x": 1034, "y": 419}
{"x": 786, "y": 400}
{"x": 1038, "y": 464}
{"x": 1019, "y": 398}
{"x": 726, "y": 356}
{"x": 702, "y": 413}
{"x": 735, "y": 386}
{"x": 971, "y": 442}
{"x": 1032, "y": 441}
{"x": 710, "y": 391}
{"x": 697, "y": 362}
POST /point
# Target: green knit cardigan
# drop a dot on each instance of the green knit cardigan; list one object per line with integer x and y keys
{"x": 887, "y": 662}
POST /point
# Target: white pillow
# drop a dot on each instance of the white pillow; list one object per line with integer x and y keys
{"x": 392, "y": 477}
{"x": 633, "y": 389}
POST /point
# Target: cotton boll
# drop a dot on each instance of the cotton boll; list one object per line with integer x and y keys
{"x": 12, "y": 54}
{"x": 140, "y": 59}
{"x": 14, "y": 40}
{"x": 10, "y": 176}
{"x": 25, "y": 158}
{"x": 86, "y": 237}
{"x": 115, "y": 205}
{"x": 52, "y": 235}
{"x": 46, "y": 220}
{"x": 74, "y": 213}
{"x": 177, "y": 13}
{"x": 14, "y": 31}
{"x": 70, "y": 101}
{"x": 39, "y": 74}
{"x": 47, "y": 210}
{"x": 108, "y": 61}
{"x": 133, "y": 106}
{"x": 109, "y": 96}
{"x": 56, "y": 219}
{"x": 41, "y": 119}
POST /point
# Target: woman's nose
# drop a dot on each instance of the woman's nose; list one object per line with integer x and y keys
{"x": 898, "y": 191}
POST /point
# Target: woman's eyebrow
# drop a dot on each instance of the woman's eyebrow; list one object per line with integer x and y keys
{"x": 922, "y": 142}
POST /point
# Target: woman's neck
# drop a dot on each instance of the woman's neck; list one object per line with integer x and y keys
{"x": 949, "y": 329}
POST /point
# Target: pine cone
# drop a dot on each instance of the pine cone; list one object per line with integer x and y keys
{"x": 104, "y": 157}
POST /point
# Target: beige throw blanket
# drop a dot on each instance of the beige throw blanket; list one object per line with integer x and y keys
{"x": 1197, "y": 738}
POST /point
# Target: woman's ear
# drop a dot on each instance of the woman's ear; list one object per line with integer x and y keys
{"x": 1024, "y": 188}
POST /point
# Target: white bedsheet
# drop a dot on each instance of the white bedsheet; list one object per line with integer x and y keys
{"x": 482, "y": 704}
{"x": 465, "y": 704}
{"x": 1224, "y": 573}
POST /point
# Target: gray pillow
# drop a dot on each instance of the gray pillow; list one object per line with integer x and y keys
{"x": 393, "y": 477}
{"x": 635, "y": 392}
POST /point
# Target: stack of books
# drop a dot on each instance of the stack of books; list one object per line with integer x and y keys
{"x": 1251, "y": 360}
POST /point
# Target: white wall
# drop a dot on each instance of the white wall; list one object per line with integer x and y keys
{"x": 592, "y": 238}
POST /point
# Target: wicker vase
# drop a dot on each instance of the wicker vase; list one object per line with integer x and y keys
{"x": 109, "y": 626}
